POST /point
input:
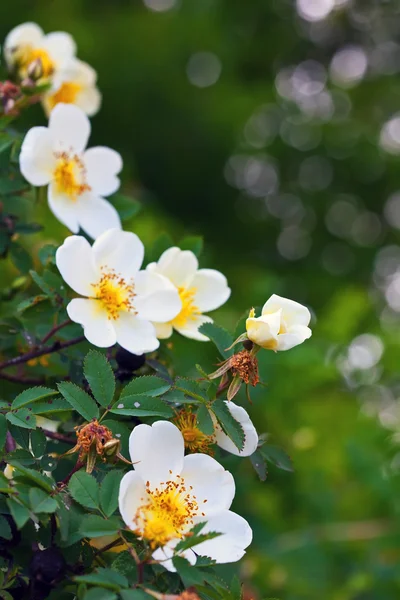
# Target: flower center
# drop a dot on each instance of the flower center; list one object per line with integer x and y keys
{"x": 167, "y": 513}
{"x": 115, "y": 294}
{"x": 70, "y": 175}
{"x": 189, "y": 310}
{"x": 195, "y": 440}
{"x": 66, "y": 93}
{"x": 25, "y": 55}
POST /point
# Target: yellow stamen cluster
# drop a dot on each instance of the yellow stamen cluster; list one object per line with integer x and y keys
{"x": 70, "y": 175}
{"x": 195, "y": 440}
{"x": 66, "y": 93}
{"x": 189, "y": 310}
{"x": 25, "y": 55}
{"x": 115, "y": 294}
{"x": 167, "y": 512}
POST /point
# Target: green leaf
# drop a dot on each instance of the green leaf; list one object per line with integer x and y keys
{"x": 95, "y": 526}
{"x": 277, "y": 456}
{"x": 100, "y": 377}
{"x": 38, "y": 443}
{"x": 191, "y": 388}
{"x": 20, "y": 257}
{"x": 109, "y": 490}
{"x": 47, "y": 254}
{"x": 126, "y": 207}
{"x": 84, "y": 489}
{"x": 22, "y": 418}
{"x": 27, "y": 397}
{"x": 52, "y": 285}
{"x": 79, "y": 400}
{"x": 259, "y": 465}
{"x": 21, "y": 437}
{"x": 204, "y": 420}
{"x": 178, "y": 397}
{"x": 9, "y": 186}
{"x": 3, "y": 431}
{"x": 28, "y": 228}
{"x": 38, "y": 479}
{"x": 42, "y": 502}
{"x": 141, "y": 406}
{"x": 162, "y": 243}
{"x": 193, "y": 243}
{"x": 220, "y": 337}
{"x": 148, "y": 385}
{"x": 53, "y": 405}
{"x": 5, "y": 529}
{"x": 229, "y": 425}
{"x": 105, "y": 578}
{"x": 31, "y": 302}
{"x": 195, "y": 538}
{"x": 189, "y": 574}
{"x": 126, "y": 566}
{"x": 18, "y": 511}
{"x": 98, "y": 593}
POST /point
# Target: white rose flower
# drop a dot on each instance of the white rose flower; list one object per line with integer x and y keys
{"x": 168, "y": 493}
{"x": 77, "y": 179}
{"x": 28, "y": 43}
{"x": 74, "y": 84}
{"x": 120, "y": 300}
{"x": 200, "y": 290}
{"x": 283, "y": 324}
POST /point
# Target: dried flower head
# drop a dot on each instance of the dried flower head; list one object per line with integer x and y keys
{"x": 95, "y": 440}
{"x": 244, "y": 368}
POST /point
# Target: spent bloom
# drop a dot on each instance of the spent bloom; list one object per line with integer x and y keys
{"x": 120, "y": 300}
{"x": 168, "y": 493}
{"x": 197, "y": 441}
{"x": 27, "y": 44}
{"x": 283, "y": 324}
{"x": 77, "y": 179}
{"x": 74, "y": 84}
{"x": 200, "y": 290}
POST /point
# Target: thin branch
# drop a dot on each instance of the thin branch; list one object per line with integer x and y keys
{"x": 116, "y": 542}
{"x": 55, "y": 347}
{"x": 55, "y": 329}
{"x": 53, "y": 435}
{"x": 61, "y": 485}
{"x": 23, "y": 380}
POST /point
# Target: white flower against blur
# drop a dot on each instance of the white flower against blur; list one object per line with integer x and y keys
{"x": 200, "y": 290}
{"x": 197, "y": 441}
{"x": 283, "y": 324}
{"x": 27, "y": 43}
{"x": 168, "y": 493}
{"x": 120, "y": 300}
{"x": 74, "y": 84}
{"x": 77, "y": 179}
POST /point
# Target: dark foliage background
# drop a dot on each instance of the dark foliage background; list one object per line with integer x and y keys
{"x": 274, "y": 147}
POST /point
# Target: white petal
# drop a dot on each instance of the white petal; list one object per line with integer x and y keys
{"x": 96, "y": 215}
{"x": 119, "y": 250}
{"x": 69, "y": 128}
{"x": 264, "y": 330}
{"x": 230, "y": 546}
{"x": 191, "y": 329}
{"x": 24, "y": 34}
{"x": 37, "y": 160}
{"x": 158, "y": 450}
{"x": 165, "y": 554}
{"x": 210, "y": 481}
{"x": 212, "y": 289}
{"x": 135, "y": 335}
{"x": 295, "y": 336}
{"x": 63, "y": 208}
{"x": 178, "y": 265}
{"x": 75, "y": 262}
{"x": 97, "y": 328}
{"x": 163, "y": 330}
{"x": 132, "y": 490}
{"x": 157, "y": 299}
{"x": 102, "y": 165}
{"x": 60, "y": 46}
{"x": 89, "y": 100}
{"x": 293, "y": 313}
{"x": 251, "y": 435}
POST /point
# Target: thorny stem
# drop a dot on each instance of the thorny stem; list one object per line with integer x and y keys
{"x": 55, "y": 347}
{"x": 55, "y": 329}
{"x": 65, "y": 481}
{"x": 139, "y": 564}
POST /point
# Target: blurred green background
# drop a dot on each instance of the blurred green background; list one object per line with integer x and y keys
{"x": 270, "y": 127}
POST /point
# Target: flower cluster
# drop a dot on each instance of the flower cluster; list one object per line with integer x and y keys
{"x": 175, "y": 483}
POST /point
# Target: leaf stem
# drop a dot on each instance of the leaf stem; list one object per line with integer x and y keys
{"x": 53, "y": 435}
{"x": 55, "y": 329}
